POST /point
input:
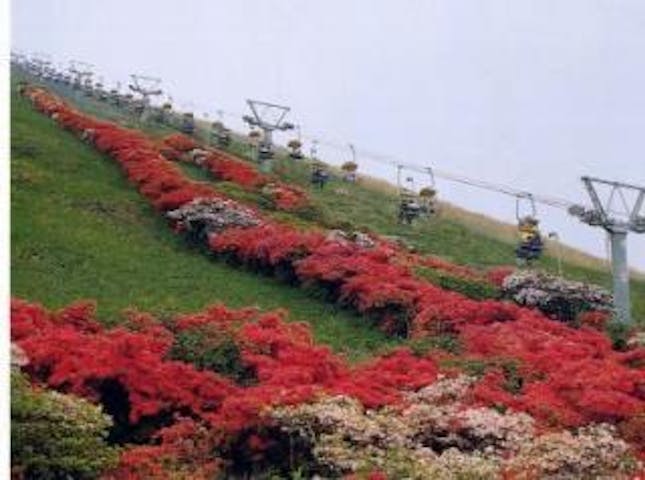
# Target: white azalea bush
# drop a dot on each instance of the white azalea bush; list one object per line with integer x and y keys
{"x": 346, "y": 438}
{"x": 206, "y": 216}
{"x": 436, "y": 436}
{"x": 591, "y": 452}
{"x": 359, "y": 238}
{"x": 555, "y": 296}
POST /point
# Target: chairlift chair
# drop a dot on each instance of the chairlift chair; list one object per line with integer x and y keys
{"x": 187, "y": 123}
{"x": 138, "y": 107}
{"x": 319, "y": 175}
{"x": 428, "y": 196}
{"x": 224, "y": 137}
{"x": 530, "y": 246}
{"x": 114, "y": 97}
{"x": 349, "y": 171}
{"x": 295, "y": 146}
{"x": 265, "y": 152}
{"x": 409, "y": 207}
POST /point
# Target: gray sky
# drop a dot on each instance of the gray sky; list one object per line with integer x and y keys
{"x": 532, "y": 94}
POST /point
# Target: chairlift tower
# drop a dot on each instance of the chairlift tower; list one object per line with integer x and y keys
{"x": 617, "y": 223}
{"x": 146, "y": 87}
{"x": 268, "y": 117}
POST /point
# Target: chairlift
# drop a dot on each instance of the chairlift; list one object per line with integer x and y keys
{"x": 295, "y": 146}
{"x": 187, "y": 123}
{"x": 530, "y": 246}
{"x": 428, "y": 196}
{"x": 138, "y": 107}
{"x": 319, "y": 174}
{"x": 254, "y": 137}
{"x": 265, "y": 152}
{"x": 224, "y": 137}
{"x": 409, "y": 207}
{"x": 114, "y": 97}
{"x": 349, "y": 169}
{"x": 88, "y": 87}
{"x": 220, "y": 134}
{"x": 100, "y": 92}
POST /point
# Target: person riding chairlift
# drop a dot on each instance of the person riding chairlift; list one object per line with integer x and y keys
{"x": 531, "y": 244}
{"x": 319, "y": 176}
{"x": 409, "y": 208}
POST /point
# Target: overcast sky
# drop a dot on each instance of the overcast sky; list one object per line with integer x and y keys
{"x": 531, "y": 94}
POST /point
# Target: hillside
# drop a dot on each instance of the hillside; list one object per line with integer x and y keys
{"x": 481, "y": 388}
{"x": 456, "y": 235}
{"x": 78, "y": 231}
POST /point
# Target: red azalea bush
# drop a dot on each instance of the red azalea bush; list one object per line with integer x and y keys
{"x": 127, "y": 370}
{"x": 287, "y": 197}
{"x": 594, "y": 319}
{"x": 156, "y": 178}
{"x": 568, "y": 377}
{"x": 84, "y": 361}
{"x": 180, "y": 142}
{"x": 267, "y": 245}
{"x": 226, "y": 167}
{"x": 496, "y": 275}
{"x": 184, "y": 451}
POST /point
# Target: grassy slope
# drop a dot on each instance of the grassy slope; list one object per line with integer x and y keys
{"x": 78, "y": 230}
{"x": 456, "y": 235}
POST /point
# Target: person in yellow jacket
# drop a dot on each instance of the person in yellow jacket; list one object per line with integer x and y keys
{"x": 531, "y": 244}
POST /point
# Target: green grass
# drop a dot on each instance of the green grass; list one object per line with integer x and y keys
{"x": 364, "y": 206}
{"x": 79, "y": 230}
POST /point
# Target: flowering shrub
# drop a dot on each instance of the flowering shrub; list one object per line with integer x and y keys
{"x": 563, "y": 299}
{"x": 286, "y": 197}
{"x": 223, "y": 166}
{"x": 267, "y": 246}
{"x": 226, "y": 167}
{"x": 130, "y": 372}
{"x": 157, "y": 179}
{"x": 594, "y": 319}
{"x": 592, "y": 452}
{"x": 184, "y": 452}
{"x": 436, "y": 436}
{"x": 346, "y": 438}
{"x": 496, "y": 275}
{"x": 128, "y": 364}
{"x": 180, "y": 142}
{"x": 568, "y": 377}
{"x": 56, "y": 435}
{"x": 208, "y": 216}
{"x": 361, "y": 239}
{"x": 282, "y": 368}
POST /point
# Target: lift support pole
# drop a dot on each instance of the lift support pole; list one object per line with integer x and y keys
{"x": 620, "y": 272}
{"x": 261, "y": 118}
{"x": 617, "y": 223}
